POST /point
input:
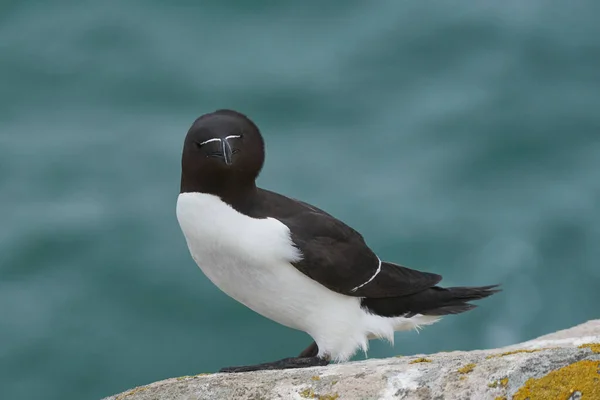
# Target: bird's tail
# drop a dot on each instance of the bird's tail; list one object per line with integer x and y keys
{"x": 434, "y": 301}
{"x": 454, "y": 300}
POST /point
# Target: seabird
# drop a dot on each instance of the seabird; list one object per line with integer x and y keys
{"x": 293, "y": 262}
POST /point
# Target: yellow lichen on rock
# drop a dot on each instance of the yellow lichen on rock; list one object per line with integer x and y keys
{"x": 510, "y": 353}
{"x": 467, "y": 368}
{"x": 307, "y": 393}
{"x": 310, "y": 394}
{"x": 595, "y": 347}
{"x": 132, "y": 392}
{"x": 334, "y": 396}
{"x": 501, "y": 382}
{"x": 582, "y": 376}
{"x": 420, "y": 360}
{"x": 184, "y": 377}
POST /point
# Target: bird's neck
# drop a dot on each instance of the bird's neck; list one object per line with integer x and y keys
{"x": 239, "y": 195}
{"x": 241, "y": 198}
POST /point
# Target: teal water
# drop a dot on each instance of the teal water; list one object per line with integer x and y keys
{"x": 458, "y": 137}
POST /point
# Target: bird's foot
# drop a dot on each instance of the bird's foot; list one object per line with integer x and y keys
{"x": 286, "y": 363}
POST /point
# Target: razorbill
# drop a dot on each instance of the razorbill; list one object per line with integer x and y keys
{"x": 290, "y": 261}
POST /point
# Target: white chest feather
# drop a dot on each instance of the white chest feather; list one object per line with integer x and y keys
{"x": 245, "y": 257}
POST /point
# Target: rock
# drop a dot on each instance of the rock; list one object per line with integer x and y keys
{"x": 562, "y": 365}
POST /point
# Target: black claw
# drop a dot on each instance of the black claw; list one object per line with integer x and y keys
{"x": 310, "y": 351}
{"x": 286, "y": 363}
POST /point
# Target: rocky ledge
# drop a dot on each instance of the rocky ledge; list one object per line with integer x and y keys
{"x": 563, "y": 365}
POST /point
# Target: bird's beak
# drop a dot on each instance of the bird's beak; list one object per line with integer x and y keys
{"x": 227, "y": 152}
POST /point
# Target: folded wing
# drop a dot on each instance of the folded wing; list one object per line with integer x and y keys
{"x": 337, "y": 257}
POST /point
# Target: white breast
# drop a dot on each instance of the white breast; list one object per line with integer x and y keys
{"x": 249, "y": 259}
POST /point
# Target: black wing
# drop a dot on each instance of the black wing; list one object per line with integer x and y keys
{"x": 336, "y": 256}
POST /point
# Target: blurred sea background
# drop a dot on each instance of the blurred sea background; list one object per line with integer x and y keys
{"x": 459, "y": 137}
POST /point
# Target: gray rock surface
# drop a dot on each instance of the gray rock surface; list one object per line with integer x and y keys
{"x": 562, "y": 365}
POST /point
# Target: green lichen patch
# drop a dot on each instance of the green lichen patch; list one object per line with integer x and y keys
{"x": 595, "y": 347}
{"x": 420, "y": 360}
{"x": 581, "y": 376}
{"x": 500, "y": 398}
{"x": 467, "y": 369}
{"x": 316, "y": 378}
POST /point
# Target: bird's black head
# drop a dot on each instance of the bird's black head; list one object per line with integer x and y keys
{"x": 223, "y": 153}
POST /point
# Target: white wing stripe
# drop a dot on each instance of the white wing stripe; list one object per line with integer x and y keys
{"x": 370, "y": 279}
